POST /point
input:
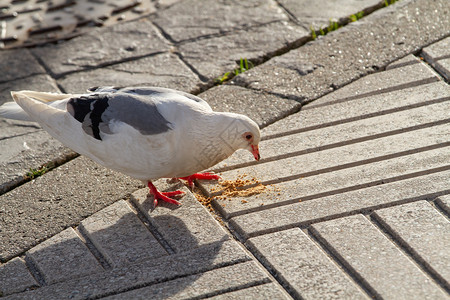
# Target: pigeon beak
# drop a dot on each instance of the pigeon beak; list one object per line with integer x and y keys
{"x": 255, "y": 152}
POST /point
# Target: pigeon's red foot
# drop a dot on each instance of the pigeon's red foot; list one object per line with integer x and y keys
{"x": 164, "y": 196}
{"x": 203, "y": 176}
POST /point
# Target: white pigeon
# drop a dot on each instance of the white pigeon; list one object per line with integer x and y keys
{"x": 144, "y": 132}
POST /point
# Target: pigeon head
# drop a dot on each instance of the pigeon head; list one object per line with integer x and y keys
{"x": 243, "y": 133}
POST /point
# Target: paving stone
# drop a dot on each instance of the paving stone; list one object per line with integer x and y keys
{"x": 184, "y": 227}
{"x": 212, "y": 57}
{"x": 120, "y": 236}
{"x": 421, "y": 228}
{"x": 15, "y": 277}
{"x": 201, "y": 285}
{"x": 153, "y": 271}
{"x": 314, "y": 150}
{"x": 264, "y": 291}
{"x": 342, "y": 121}
{"x": 215, "y": 17}
{"x": 358, "y": 49}
{"x": 63, "y": 257}
{"x": 444, "y": 203}
{"x": 303, "y": 267}
{"x": 320, "y": 184}
{"x": 301, "y": 213}
{"x": 25, "y": 145}
{"x": 319, "y": 13}
{"x": 63, "y": 197}
{"x": 164, "y": 70}
{"x": 335, "y": 111}
{"x": 18, "y": 63}
{"x": 438, "y": 55}
{"x": 405, "y": 61}
{"x": 376, "y": 260}
{"x": 260, "y": 107}
{"x": 102, "y": 46}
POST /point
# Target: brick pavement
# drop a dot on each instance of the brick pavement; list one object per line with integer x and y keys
{"x": 357, "y": 205}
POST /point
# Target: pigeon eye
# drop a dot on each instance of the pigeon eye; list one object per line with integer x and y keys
{"x": 248, "y": 136}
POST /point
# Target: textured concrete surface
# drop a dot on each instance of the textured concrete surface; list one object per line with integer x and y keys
{"x": 303, "y": 266}
{"x": 437, "y": 56}
{"x": 120, "y": 236}
{"x": 422, "y": 229}
{"x": 356, "y": 50}
{"x": 63, "y": 257}
{"x": 360, "y": 172}
{"x": 383, "y": 268}
{"x": 15, "y": 277}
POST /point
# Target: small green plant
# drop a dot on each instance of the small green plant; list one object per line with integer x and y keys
{"x": 313, "y": 32}
{"x": 332, "y": 26}
{"x": 244, "y": 65}
{"x": 357, "y": 16}
{"x": 33, "y": 173}
{"x": 389, "y": 2}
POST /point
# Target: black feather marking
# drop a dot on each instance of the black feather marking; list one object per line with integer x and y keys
{"x": 96, "y": 115}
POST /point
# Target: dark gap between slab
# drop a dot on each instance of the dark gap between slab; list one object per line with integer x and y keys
{"x": 403, "y": 247}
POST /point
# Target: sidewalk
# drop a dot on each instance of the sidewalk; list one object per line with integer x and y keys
{"x": 355, "y": 157}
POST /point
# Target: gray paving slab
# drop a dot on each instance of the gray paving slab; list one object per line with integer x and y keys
{"x": 320, "y": 184}
{"x": 25, "y": 145}
{"x": 341, "y": 110}
{"x": 336, "y": 124}
{"x": 438, "y": 55}
{"x": 292, "y": 156}
{"x": 262, "y": 108}
{"x": 62, "y": 257}
{"x": 119, "y": 235}
{"x": 102, "y": 46}
{"x": 18, "y": 63}
{"x": 419, "y": 227}
{"x": 363, "y": 248}
{"x": 409, "y": 59}
{"x": 214, "y": 56}
{"x": 63, "y": 197}
{"x": 185, "y": 227}
{"x": 264, "y": 291}
{"x": 165, "y": 70}
{"x": 215, "y": 17}
{"x": 153, "y": 271}
{"x": 15, "y": 277}
{"x": 303, "y": 267}
{"x": 444, "y": 203}
{"x": 301, "y": 213}
{"x": 358, "y": 49}
{"x": 319, "y": 13}
{"x": 203, "y": 285}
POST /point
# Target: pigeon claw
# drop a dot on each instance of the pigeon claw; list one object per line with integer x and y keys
{"x": 201, "y": 176}
{"x": 164, "y": 196}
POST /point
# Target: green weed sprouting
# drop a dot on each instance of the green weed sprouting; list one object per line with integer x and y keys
{"x": 244, "y": 65}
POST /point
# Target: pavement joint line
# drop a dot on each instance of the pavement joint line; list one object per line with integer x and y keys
{"x": 91, "y": 247}
{"x": 365, "y": 210}
{"x": 23, "y": 77}
{"x": 339, "y": 260}
{"x": 357, "y": 163}
{"x": 150, "y": 227}
{"x": 19, "y": 135}
{"x": 356, "y": 118}
{"x": 196, "y": 72}
{"x": 427, "y": 61}
{"x": 339, "y": 191}
{"x": 34, "y": 271}
{"x": 340, "y": 144}
{"x": 361, "y": 284}
{"x": 377, "y": 92}
{"x": 233, "y": 289}
{"x": 439, "y": 208}
{"x": 408, "y": 251}
{"x": 170, "y": 278}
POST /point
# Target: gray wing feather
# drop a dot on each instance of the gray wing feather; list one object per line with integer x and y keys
{"x": 136, "y": 111}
